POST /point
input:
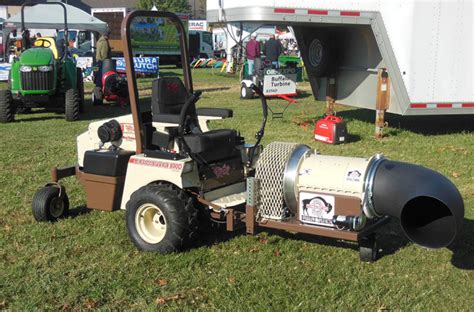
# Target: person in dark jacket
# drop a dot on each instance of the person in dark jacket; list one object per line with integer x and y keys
{"x": 272, "y": 50}
{"x": 253, "y": 52}
{"x": 103, "y": 52}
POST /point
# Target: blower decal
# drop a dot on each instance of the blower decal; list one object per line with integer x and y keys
{"x": 353, "y": 176}
{"x": 316, "y": 208}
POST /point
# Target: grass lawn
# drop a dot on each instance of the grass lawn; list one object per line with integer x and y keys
{"x": 88, "y": 261}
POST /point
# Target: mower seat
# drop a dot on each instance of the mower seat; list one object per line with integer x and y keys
{"x": 168, "y": 98}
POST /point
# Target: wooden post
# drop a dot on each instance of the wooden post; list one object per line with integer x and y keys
{"x": 382, "y": 102}
{"x": 330, "y": 95}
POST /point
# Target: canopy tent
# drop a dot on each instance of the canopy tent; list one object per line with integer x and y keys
{"x": 47, "y": 16}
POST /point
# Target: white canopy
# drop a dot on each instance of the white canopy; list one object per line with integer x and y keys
{"x": 48, "y": 16}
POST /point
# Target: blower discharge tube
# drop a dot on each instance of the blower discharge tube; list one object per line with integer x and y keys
{"x": 429, "y": 206}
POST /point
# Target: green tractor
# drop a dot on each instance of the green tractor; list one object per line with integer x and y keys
{"x": 39, "y": 79}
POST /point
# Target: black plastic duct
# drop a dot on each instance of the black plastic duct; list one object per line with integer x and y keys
{"x": 429, "y": 206}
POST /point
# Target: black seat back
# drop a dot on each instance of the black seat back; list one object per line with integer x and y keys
{"x": 168, "y": 96}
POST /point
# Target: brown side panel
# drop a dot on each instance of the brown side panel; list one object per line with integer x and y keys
{"x": 103, "y": 193}
{"x": 347, "y": 206}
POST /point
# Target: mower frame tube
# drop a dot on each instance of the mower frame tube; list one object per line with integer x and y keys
{"x": 61, "y": 173}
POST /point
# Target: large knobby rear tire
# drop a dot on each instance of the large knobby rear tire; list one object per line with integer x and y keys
{"x": 161, "y": 218}
{"x": 47, "y": 206}
{"x": 71, "y": 105}
{"x": 7, "y": 111}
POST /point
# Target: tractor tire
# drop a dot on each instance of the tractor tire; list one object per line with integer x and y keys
{"x": 47, "y": 206}
{"x": 71, "y": 105}
{"x": 97, "y": 96}
{"x": 80, "y": 89}
{"x": 246, "y": 92}
{"x": 161, "y": 218}
{"x": 7, "y": 110}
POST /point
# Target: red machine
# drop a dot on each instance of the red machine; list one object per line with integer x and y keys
{"x": 331, "y": 129}
{"x": 114, "y": 86}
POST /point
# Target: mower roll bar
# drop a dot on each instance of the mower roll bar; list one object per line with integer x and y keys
{"x": 130, "y": 70}
{"x": 23, "y": 28}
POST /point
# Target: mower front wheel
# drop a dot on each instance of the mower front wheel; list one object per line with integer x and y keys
{"x": 72, "y": 105}
{"x": 160, "y": 219}
{"x": 97, "y": 96}
{"x": 48, "y": 206}
{"x": 246, "y": 92}
{"x": 7, "y": 111}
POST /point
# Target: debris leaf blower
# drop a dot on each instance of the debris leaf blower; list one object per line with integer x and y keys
{"x": 164, "y": 166}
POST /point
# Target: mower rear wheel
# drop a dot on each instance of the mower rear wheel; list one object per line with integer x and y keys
{"x": 7, "y": 111}
{"x": 97, "y": 96}
{"x": 71, "y": 104}
{"x": 246, "y": 92}
{"x": 161, "y": 219}
{"x": 368, "y": 249}
{"x": 47, "y": 206}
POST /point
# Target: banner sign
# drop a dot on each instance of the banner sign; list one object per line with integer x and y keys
{"x": 144, "y": 65}
{"x": 200, "y": 25}
{"x": 279, "y": 81}
{"x": 4, "y": 70}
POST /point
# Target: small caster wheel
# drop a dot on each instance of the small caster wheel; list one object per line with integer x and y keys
{"x": 97, "y": 96}
{"x": 48, "y": 206}
{"x": 246, "y": 92}
{"x": 368, "y": 249}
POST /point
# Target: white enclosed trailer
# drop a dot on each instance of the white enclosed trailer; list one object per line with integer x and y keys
{"x": 426, "y": 47}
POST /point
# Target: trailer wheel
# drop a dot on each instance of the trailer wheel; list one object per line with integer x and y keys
{"x": 47, "y": 206}
{"x": 368, "y": 249}
{"x": 161, "y": 219}
{"x": 97, "y": 97}
{"x": 246, "y": 92}
{"x": 71, "y": 105}
{"x": 7, "y": 112}
{"x": 80, "y": 89}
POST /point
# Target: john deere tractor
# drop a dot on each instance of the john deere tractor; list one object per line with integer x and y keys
{"x": 39, "y": 79}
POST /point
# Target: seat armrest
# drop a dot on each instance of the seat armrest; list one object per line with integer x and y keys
{"x": 166, "y": 118}
{"x": 215, "y": 112}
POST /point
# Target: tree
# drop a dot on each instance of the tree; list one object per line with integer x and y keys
{"x": 175, "y": 6}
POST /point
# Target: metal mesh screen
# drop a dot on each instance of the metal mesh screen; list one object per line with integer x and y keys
{"x": 270, "y": 171}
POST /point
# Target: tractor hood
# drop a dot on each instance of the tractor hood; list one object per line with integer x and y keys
{"x": 37, "y": 56}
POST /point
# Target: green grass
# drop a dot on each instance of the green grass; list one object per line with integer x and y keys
{"x": 88, "y": 262}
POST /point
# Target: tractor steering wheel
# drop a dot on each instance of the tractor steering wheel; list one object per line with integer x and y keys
{"x": 42, "y": 43}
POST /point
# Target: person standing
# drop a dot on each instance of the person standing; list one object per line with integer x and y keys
{"x": 103, "y": 52}
{"x": 272, "y": 50}
{"x": 253, "y": 52}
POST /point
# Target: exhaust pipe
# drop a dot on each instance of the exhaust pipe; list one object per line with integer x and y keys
{"x": 429, "y": 206}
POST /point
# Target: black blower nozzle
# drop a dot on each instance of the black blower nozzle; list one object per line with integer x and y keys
{"x": 429, "y": 206}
